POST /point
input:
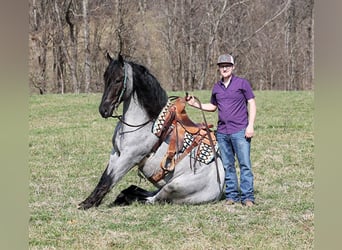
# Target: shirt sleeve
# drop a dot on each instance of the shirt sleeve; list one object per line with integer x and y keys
{"x": 248, "y": 91}
{"x": 213, "y": 97}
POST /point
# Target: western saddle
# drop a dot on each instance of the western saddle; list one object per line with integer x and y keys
{"x": 175, "y": 126}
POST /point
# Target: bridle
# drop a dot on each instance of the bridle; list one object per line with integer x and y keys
{"x": 123, "y": 90}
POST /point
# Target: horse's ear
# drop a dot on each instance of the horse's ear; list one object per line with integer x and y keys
{"x": 109, "y": 58}
{"x": 120, "y": 59}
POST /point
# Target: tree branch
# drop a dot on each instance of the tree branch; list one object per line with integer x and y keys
{"x": 264, "y": 24}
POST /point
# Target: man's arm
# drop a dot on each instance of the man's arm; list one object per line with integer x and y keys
{"x": 205, "y": 106}
{"x": 251, "y": 118}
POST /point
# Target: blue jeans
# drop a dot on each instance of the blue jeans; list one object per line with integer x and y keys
{"x": 231, "y": 144}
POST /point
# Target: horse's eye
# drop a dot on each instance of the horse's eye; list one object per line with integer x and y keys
{"x": 117, "y": 81}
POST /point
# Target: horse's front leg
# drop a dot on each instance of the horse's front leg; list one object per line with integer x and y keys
{"x": 102, "y": 188}
{"x": 106, "y": 182}
{"x": 117, "y": 167}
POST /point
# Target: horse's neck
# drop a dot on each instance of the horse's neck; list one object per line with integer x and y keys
{"x": 133, "y": 112}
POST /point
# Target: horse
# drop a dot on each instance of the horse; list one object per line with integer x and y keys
{"x": 143, "y": 99}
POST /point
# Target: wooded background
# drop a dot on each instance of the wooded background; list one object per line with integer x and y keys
{"x": 179, "y": 41}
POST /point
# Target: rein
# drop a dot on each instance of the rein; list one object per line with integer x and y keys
{"x": 119, "y": 117}
{"x": 206, "y": 125}
{"x": 209, "y": 135}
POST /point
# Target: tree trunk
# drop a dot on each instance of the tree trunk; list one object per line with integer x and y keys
{"x": 291, "y": 43}
{"x": 190, "y": 69}
{"x": 145, "y": 40}
{"x": 86, "y": 46}
{"x": 71, "y": 60}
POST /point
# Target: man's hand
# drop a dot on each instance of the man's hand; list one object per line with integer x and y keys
{"x": 249, "y": 131}
{"x": 190, "y": 100}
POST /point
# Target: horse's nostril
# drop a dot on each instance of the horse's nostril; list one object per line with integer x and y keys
{"x": 103, "y": 111}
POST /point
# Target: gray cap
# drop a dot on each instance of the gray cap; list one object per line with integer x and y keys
{"x": 226, "y": 58}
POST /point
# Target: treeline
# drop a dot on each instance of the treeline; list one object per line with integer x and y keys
{"x": 179, "y": 41}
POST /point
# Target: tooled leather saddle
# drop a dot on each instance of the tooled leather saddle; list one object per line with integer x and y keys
{"x": 183, "y": 135}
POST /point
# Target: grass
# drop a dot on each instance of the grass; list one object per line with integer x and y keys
{"x": 69, "y": 145}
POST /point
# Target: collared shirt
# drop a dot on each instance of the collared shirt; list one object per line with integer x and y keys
{"x": 231, "y": 103}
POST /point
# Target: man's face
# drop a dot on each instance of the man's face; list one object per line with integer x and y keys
{"x": 226, "y": 69}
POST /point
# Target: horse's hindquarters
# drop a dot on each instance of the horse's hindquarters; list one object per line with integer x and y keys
{"x": 190, "y": 182}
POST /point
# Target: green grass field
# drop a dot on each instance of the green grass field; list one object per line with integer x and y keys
{"x": 69, "y": 145}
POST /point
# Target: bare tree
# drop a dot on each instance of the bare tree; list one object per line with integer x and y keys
{"x": 71, "y": 59}
{"x": 145, "y": 34}
{"x": 39, "y": 40}
{"x": 271, "y": 40}
{"x": 86, "y": 45}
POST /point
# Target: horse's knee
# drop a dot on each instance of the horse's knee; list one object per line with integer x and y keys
{"x": 172, "y": 187}
{"x": 167, "y": 193}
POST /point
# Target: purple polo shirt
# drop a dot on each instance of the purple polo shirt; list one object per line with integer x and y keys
{"x": 231, "y": 103}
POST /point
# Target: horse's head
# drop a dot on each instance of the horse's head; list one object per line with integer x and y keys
{"x": 115, "y": 84}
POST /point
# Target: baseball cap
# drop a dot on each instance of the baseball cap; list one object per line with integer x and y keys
{"x": 226, "y": 58}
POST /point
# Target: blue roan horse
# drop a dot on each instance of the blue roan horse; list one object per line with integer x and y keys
{"x": 133, "y": 143}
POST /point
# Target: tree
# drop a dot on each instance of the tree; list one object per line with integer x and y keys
{"x": 86, "y": 45}
{"x": 272, "y": 41}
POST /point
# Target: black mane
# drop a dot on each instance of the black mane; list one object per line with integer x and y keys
{"x": 150, "y": 94}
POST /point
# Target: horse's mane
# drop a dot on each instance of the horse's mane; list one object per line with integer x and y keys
{"x": 150, "y": 94}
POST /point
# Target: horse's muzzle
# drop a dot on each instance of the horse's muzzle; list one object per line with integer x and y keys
{"x": 106, "y": 109}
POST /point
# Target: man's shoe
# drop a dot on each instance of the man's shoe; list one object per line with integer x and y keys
{"x": 230, "y": 202}
{"x": 248, "y": 203}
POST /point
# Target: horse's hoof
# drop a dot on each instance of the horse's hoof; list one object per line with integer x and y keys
{"x": 84, "y": 206}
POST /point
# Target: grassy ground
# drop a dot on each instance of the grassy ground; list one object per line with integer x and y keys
{"x": 69, "y": 145}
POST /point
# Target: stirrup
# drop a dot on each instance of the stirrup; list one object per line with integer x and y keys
{"x": 167, "y": 163}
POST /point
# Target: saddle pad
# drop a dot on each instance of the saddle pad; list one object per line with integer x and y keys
{"x": 205, "y": 152}
{"x": 159, "y": 122}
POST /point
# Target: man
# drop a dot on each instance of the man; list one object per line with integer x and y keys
{"x": 231, "y": 96}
